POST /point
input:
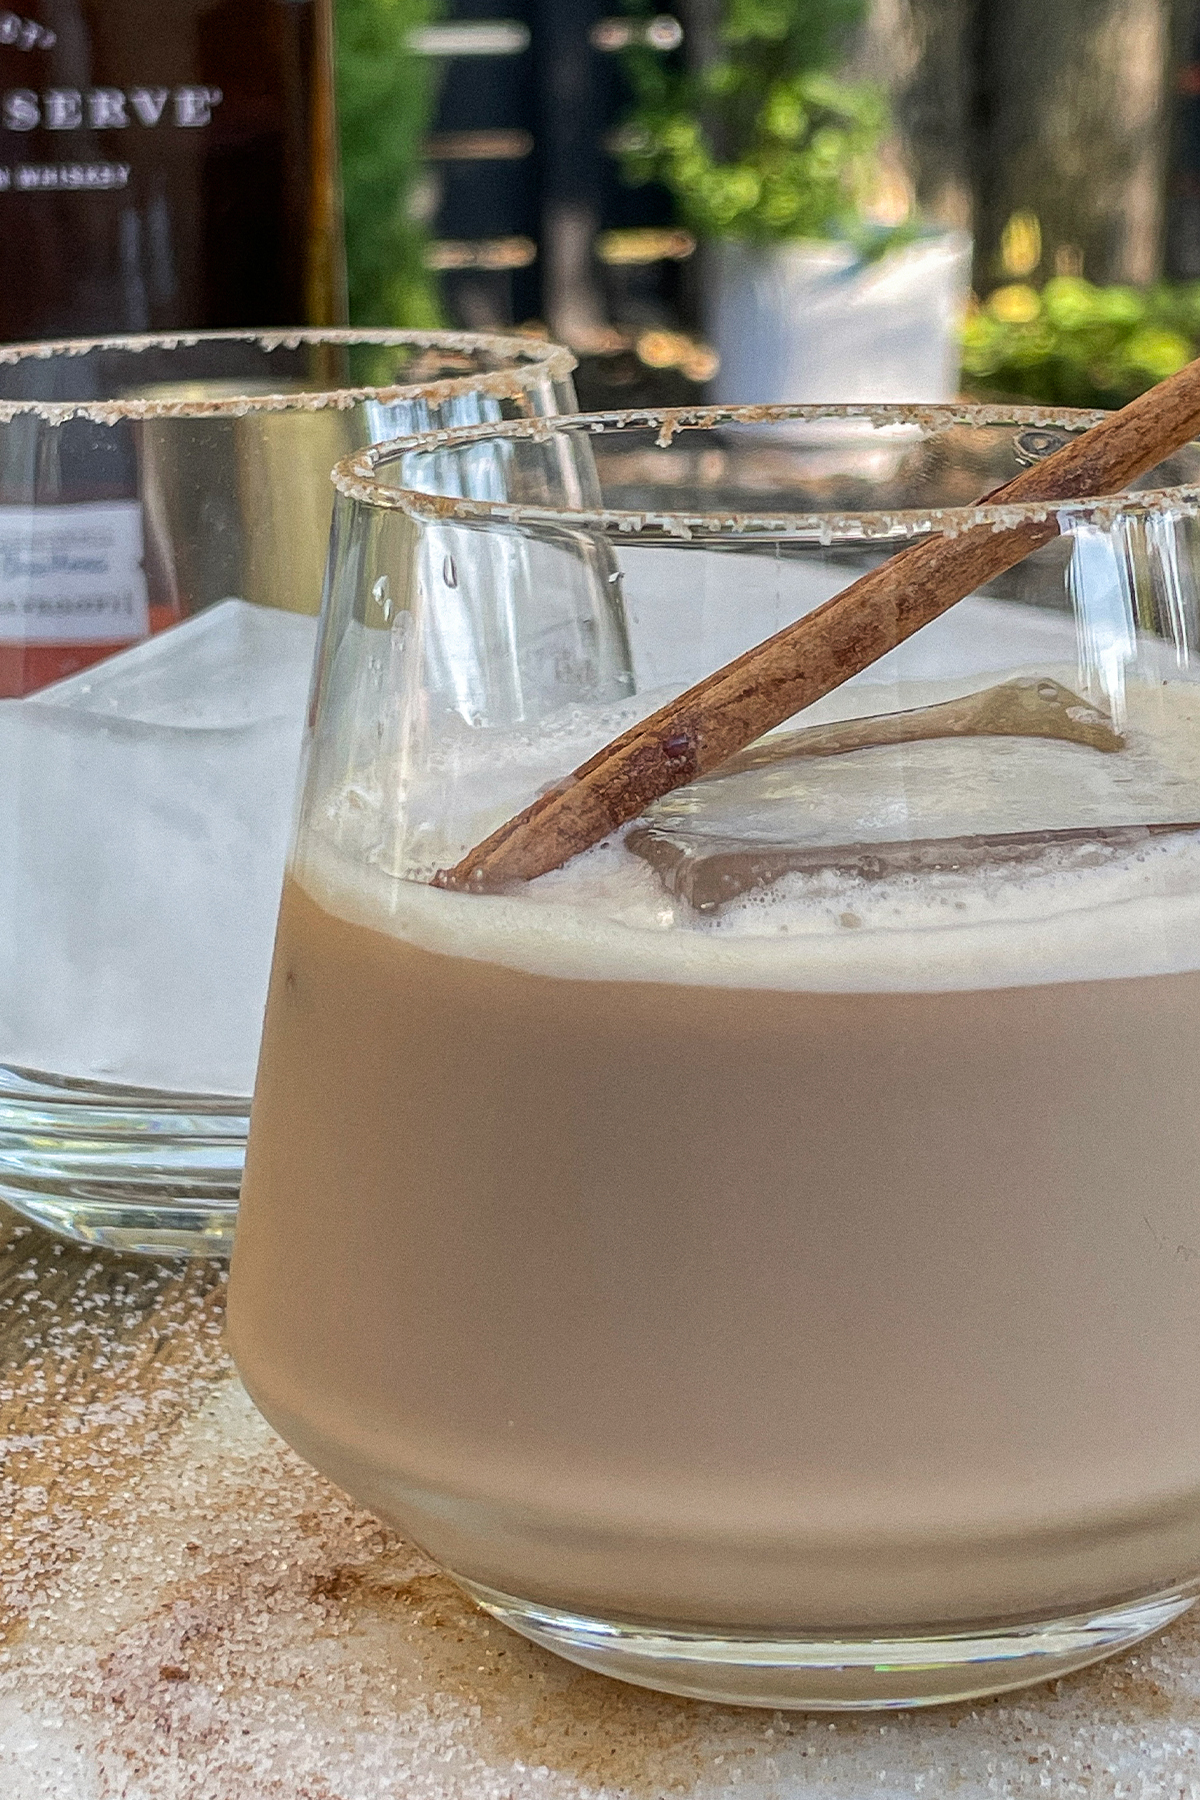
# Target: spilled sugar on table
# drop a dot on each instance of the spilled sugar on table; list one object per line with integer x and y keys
{"x": 187, "y": 1612}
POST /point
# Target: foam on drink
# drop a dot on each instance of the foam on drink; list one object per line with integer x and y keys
{"x": 1062, "y": 914}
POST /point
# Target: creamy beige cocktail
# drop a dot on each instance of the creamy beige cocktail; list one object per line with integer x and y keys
{"x": 828, "y": 1264}
{"x": 757, "y": 1257}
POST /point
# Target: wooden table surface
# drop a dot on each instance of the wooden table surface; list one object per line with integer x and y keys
{"x": 186, "y": 1610}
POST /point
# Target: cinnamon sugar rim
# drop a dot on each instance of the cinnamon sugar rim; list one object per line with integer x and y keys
{"x": 533, "y": 360}
{"x": 357, "y": 477}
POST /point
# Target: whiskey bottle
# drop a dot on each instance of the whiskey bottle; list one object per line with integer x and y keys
{"x": 167, "y": 164}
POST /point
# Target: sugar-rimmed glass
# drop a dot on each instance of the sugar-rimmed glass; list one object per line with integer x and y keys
{"x": 146, "y": 773}
{"x": 753, "y": 1258}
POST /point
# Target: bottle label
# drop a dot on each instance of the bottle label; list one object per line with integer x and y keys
{"x": 25, "y": 34}
{"x": 73, "y": 574}
{"x": 59, "y": 109}
{"x": 186, "y": 108}
{"x": 164, "y": 168}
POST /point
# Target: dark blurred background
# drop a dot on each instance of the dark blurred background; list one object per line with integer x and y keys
{"x": 1064, "y": 134}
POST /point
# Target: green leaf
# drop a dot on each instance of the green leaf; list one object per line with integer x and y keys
{"x": 766, "y": 142}
{"x": 385, "y": 105}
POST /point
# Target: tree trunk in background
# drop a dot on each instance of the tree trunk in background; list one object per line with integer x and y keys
{"x": 1072, "y": 125}
{"x": 701, "y": 20}
{"x": 1183, "y": 196}
{"x": 1058, "y": 108}
{"x": 921, "y": 52}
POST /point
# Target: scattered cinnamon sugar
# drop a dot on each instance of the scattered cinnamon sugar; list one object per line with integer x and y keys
{"x": 205, "y": 1617}
{"x": 100, "y": 1357}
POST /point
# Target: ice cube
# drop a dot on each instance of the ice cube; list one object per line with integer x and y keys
{"x": 709, "y": 872}
{"x": 228, "y": 665}
{"x": 144, "y": 810}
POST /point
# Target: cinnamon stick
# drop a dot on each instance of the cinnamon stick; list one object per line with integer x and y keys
{"x": 778, "y": 678}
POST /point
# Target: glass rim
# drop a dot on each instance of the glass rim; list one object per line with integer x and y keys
{"x": 533, "y": 359}
{"x": 357, "y": 478}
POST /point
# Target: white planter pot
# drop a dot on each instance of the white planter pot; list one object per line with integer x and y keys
{"x": 809, "y": 322}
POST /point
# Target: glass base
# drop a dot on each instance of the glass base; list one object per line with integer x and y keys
{"x": 836, "y": 1674}
{"x": 129, "y": 1168}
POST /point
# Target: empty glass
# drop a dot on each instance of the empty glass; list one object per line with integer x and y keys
{"x": 147, "y": 774}
{"x": 756, "y": 1257}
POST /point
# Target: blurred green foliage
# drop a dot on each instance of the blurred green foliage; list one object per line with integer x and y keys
{"x": 385, "y": 103}
{"x": 1074, "y": 344}
{"x": 764, "y": 142}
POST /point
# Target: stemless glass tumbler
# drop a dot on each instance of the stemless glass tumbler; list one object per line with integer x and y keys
{"x": 147, "y": 774}
{"x": 755, "y": 1258}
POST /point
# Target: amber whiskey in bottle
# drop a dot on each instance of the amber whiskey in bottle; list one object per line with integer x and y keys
{"x": 167, "y": 164}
